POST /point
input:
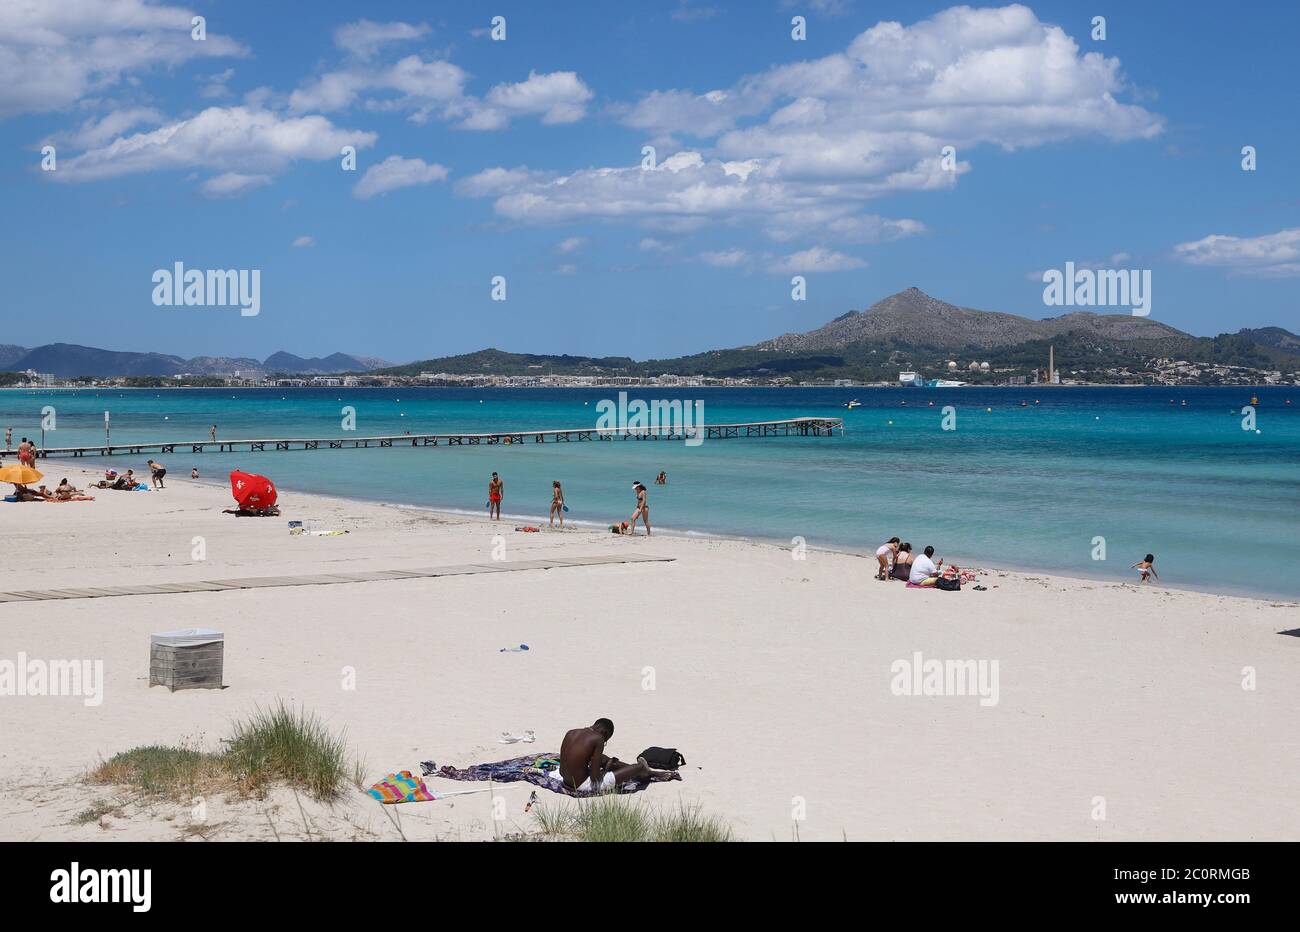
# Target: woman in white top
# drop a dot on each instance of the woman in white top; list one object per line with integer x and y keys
{"x": 883, "y": 554}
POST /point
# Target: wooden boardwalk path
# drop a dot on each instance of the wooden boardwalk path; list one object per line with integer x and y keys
{"x": 793, "y": 427}
{"x": 323, "y": 579}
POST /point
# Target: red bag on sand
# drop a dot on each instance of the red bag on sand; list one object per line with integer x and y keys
{"x": 251, "y": 490}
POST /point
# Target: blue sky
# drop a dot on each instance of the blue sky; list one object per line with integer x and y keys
{"x": 522, "y": 158}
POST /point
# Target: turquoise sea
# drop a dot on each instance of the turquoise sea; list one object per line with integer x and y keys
{"x": 1011, "y": 486}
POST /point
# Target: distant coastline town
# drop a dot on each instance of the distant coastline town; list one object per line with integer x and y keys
{"x": 1172, "y": 372}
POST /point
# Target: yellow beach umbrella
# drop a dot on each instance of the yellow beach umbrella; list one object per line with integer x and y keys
{"x": 20, "y": 475}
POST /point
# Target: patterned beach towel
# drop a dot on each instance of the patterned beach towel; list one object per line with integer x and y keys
{"x": 538, "y": 769}
{"x": 401, "y": 788}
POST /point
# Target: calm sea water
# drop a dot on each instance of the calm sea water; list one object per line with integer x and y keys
{"x": 1010, "y": 486}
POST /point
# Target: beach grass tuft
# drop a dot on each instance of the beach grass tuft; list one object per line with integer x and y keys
{"x": 281, "y": 744}
{"x": 96, "y": 811}
{"x": 612, "y": 818}
{"x": 689, "y": 823}
{"x": 156, "y": 770}
{"x": 289, "y": 745}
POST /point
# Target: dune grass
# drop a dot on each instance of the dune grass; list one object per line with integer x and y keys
{"x": 156, "y": 770}
{"x": 293, "y": 746}
{"x": 96, "y": 811}
{"x": 281, "y": 744}
{"x": 615, "y": 818}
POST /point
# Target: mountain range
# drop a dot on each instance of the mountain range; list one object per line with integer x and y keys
{"x": 68, "y": 360}
{"x": 912, "y": 330}
{"x": 907, "y": 330}
{"x": 915, "y": 317}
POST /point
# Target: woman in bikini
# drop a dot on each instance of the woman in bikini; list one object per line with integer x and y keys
{"x": 642, "y": 509}
{"x": 557, "y": 502}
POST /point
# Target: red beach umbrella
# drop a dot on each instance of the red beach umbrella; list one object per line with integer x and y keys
{"x": 251, "y": 490}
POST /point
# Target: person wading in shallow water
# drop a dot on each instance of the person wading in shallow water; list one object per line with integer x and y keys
{"x": 585, "y": 768}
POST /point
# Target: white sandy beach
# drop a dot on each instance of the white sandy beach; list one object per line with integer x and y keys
{"x": 772, "y": 675}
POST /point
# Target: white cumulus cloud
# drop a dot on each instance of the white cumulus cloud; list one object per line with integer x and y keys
{"x": 396, "y": 172}
{"x": 1273, "y": 255}
{"x": 558, "y": 97}
{"x": 240, "y": 140}
{"x": 233, "y": 184}
{"x": 798, "y": 149}
{"x": 54, "y": 54}
{"x": 725, "y": 258}
{"x": 364, "y": 38}
{"x": 816, "y": 259}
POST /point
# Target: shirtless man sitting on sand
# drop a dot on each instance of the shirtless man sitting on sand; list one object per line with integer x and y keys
{"x": 584, "y": 766}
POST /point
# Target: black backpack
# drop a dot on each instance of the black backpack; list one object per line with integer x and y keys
{"x": 663, "y": 758}
{"x": 948, "y": 585}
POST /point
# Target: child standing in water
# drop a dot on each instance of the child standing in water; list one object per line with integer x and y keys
{"x": 1146, "y": 568}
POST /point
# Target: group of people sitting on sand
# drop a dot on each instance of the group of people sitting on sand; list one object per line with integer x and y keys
{"x": 128, "y": 481}
{"x": 64, "y": 492}
{"x": 895, "y": 560}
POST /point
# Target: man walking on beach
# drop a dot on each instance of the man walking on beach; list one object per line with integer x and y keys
{"x": 496, "y": 489}
{"x": 585, "y": 768}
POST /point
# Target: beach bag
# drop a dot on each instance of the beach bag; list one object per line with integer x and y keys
{"x": 948, "y": 585}
{"x": 663, "y": 758}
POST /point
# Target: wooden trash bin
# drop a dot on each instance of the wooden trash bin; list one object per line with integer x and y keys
{"x": 187, "y": 659}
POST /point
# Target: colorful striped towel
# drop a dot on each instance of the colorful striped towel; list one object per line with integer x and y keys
{"x": 401, "y": 788}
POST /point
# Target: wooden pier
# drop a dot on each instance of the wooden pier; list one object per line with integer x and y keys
{"x": 793, "y": 427}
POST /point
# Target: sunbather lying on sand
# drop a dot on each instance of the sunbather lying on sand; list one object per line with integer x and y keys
{"x": 584, "y": 766}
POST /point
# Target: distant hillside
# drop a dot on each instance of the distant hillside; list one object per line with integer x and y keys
{"x": 921, "y": 320}
{"x": 906, "y": 331}
{"x": 68, "y": 360}
{"x": 336, "y": 362}
{"x": 498, "y": 361}
{"x": 1273, "y": 337}
{"x": 912, "y": 330}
